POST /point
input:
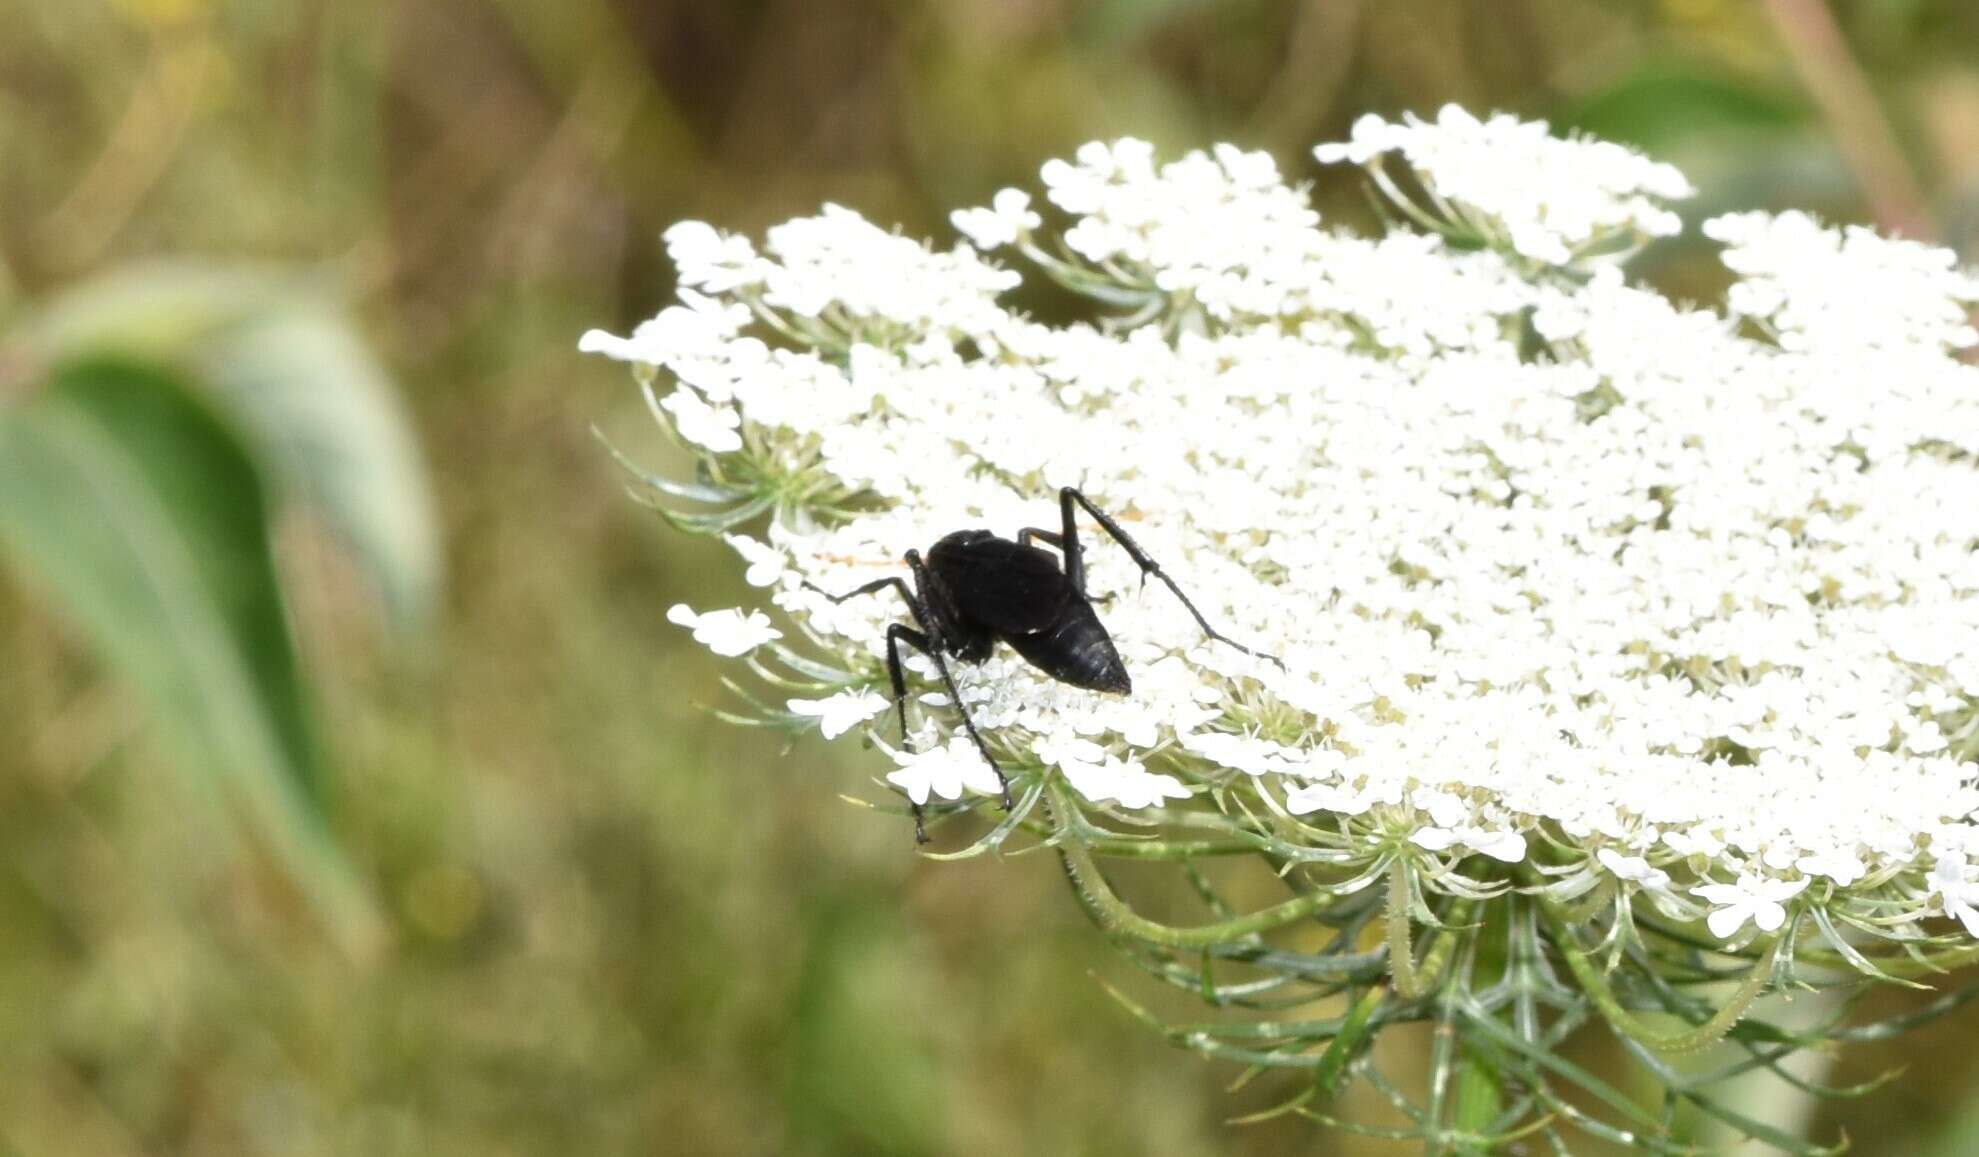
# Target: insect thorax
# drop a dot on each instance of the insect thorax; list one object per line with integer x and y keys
{"x": 961, "y": 636}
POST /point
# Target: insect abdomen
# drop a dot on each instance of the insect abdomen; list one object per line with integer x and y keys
{"x": 1077, "y": 650}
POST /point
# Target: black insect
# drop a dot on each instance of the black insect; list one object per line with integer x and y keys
{"x": 975, "y": 589}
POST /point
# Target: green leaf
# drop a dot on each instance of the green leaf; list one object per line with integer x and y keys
{"x": 153, "y": 311}
{"x": 146, "y": 521}
{"x": 327, "y": 423}
{"x": 1665, "y": 105}
{"x": 318, "y": 412}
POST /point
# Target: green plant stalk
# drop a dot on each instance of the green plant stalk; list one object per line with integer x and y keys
{"x": 1116, "y": 916}
{"x": 1628, "y": 1024}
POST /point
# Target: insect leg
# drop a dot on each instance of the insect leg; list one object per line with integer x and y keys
{"x": 930, "y": 645}
{"x": 936, "y": 644}
{"x": 932, "y": 649}
{"x": 1068, "y": 498}
{"x": 897, "y": 634}
{"x": 893, "y": 633}
{"x": 961, "y": 709}
{"x": 1056, "y": 539}
{"x": 894, "y": 581}
{"x": 1068, "y": 538}
{"x": 913, "y": 637}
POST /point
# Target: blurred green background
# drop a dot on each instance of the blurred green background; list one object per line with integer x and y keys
{"x": 493, "y": 881}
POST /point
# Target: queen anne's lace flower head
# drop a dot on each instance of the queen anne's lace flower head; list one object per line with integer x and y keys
{"x": 1575, "y": 588}
{"x": 1688, "y": 592}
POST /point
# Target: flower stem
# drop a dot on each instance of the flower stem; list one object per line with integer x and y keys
{"x": 1116, "y": 916}
{"x": 1627, "y": 1023}
{"x": 1837, "y": 83}
{"x": 1401, "y": 953}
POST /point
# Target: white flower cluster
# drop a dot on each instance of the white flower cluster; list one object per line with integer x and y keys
{"x": 1846, "y": 290}
{"x": 1549, "y": 197}
{"x": 1551, "y": 563}
{"x": 1182, "y": 225}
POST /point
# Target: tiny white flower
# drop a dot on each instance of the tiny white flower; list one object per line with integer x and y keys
{"x": 1064, "y": 748}
{"x": 1342, "y": 800}
{"x": 1952, "y": 880}
{"x": 1634, "y": 869}
{"x": 727, "y": 632}
{"x": 1008, "y": 218}
{"x": 710, "y": 427}
{"x": 946, "y": 771}
{"x": 598, "y": 341}
{"x": 766, "y": 563}
{"x": 1499, "y": 845}
{"x": 1102, "y": 777}
{"x": 1841, "y": 865}
{"x": 1112, "y": 779}
{"x": 1245, "y": 753}
{"x": 841, "y": 712}
{"x": 709, "y": 259}
{"x": 1136, "y": 787}
{"x": 1696, "y": 841}
{"x": 1758, "y": 899}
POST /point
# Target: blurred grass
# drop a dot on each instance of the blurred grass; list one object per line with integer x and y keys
{"x": 616, "y": 926}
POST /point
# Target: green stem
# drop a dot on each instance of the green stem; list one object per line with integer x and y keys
{"x": 1116, "y": 916}
{"x": 1129, "y": 849}
{"x": 1413, "y": 980}
{"x": 1401, "y": 950}
{"x": 1346, "y": 1044}
{"x": 1862, "y": 131}
{"x": 1628, "y": 1024}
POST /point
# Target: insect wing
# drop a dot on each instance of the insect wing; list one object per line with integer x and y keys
{"x": 1005, "y": 586}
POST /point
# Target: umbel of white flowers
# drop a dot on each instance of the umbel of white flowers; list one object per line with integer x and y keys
{"x": 1587, "y": 601}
